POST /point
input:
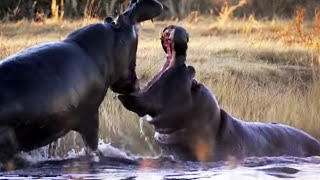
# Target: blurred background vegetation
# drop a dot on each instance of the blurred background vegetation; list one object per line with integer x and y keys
{"x": 13, "y": 10}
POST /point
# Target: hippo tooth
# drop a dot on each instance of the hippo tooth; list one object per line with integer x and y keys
{"x": 165, "y": 138}
{"x": 149, "y": 118}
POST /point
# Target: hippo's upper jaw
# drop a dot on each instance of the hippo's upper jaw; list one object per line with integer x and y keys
{"x": 142, "y": 10}
{"x": 126, "y": 85}
{"x": 174, "y": 41}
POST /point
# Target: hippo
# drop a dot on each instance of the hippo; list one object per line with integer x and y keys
{"x": 190, "y": 125}
{"x": 50, "y": 89}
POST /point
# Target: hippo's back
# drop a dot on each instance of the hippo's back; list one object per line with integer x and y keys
{"x": 44, "y": 79}
{"x": 279, "y": 139}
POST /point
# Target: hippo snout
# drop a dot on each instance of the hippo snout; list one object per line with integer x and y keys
{"x": 126, "y": 86}
{"x": 133, "y": 103}
{"x": 140, "y": 103}
{"x": 130, "y": 87}
{"x": 147, "y": 9}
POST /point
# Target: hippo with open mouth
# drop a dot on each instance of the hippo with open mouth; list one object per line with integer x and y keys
{"x": 190, "y": 124}
{"x": 49, "y": 89}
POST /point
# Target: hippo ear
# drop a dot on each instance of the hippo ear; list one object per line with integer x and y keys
{"x": 192, "y": 71}
{"x": 195, "y": 86}
{"x": 133, "y": 103}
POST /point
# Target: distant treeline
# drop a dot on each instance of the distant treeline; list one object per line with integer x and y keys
{"x": 39, "y": 9}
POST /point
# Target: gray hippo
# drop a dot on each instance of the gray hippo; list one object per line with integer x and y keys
{"x": 49, "y": 89}
{"x": 190, "y": 124}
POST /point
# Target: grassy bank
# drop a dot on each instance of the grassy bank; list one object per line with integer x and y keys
{"x": 259, "y": 71}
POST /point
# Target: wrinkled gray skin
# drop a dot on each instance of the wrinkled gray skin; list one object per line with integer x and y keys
{"x": 49, "y": 89}
{"x": 190, "y": 124}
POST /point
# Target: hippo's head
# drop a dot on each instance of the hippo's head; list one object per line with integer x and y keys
{"x": 138, "y": 11}
{"x": 142, "y": 10}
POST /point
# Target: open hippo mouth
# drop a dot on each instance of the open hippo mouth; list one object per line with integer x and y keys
{"x": 174, "y": 41}
{"x": 167, "y": 42}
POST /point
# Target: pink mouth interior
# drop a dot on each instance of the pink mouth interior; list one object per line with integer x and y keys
{"x": 168, "y": 43}
{"x": 167, "y": 40}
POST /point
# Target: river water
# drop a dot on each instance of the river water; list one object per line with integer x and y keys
{"x": 116, "y": 164}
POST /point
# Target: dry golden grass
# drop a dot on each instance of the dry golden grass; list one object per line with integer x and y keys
{"x": 255, "y": 73}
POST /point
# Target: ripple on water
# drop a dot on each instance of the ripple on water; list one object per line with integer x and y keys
{"x": 118, "y": 164}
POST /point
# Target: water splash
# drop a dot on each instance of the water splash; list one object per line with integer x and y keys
{"x": 43, "y": 154}
{"x": 108, "y": 150}
{"x": 142, "y": 133}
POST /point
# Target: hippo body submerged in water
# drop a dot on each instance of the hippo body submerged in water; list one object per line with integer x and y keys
{"x": 190, "y": 124}
{"x": 50, "y": 89}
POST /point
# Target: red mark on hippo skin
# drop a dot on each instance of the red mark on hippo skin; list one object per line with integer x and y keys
{"x": 147, "y": 163}
{"x": 203, "y": 150}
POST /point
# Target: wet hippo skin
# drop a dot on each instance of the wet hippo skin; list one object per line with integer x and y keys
{"x": 190, "y": 124}
{"x": 49, "y": 89}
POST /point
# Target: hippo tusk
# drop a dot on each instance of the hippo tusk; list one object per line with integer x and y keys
{"x": 149, "y": 118}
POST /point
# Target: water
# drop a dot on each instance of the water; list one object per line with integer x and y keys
{"x": 130, "y": 153}
{"x": 118, "y": 164}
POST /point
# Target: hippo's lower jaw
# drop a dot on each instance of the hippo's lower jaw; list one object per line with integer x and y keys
{"x": 167, "y": 136}
{"x": 171, "y": 138}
